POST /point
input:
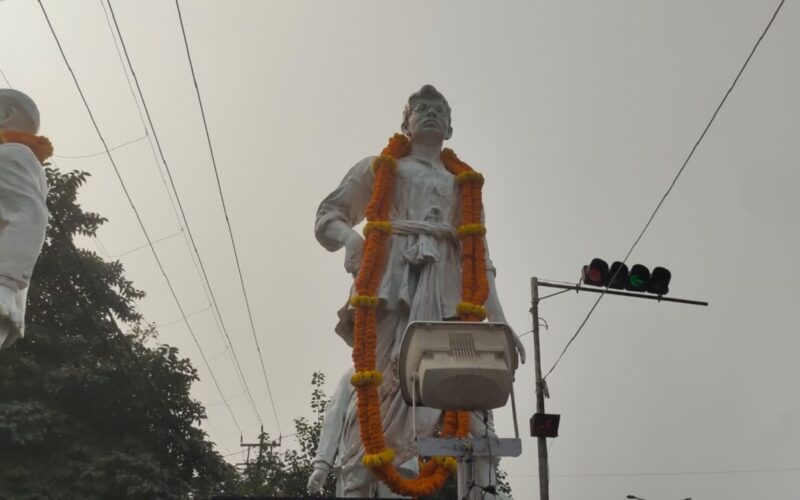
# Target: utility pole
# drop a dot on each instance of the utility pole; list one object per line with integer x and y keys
{"x": 261, "y": 445}
{"x": 544, "y": 474}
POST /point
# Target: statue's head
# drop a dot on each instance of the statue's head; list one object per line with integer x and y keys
{"x": 427, "y": 112}
{"x": 18, "y": 112}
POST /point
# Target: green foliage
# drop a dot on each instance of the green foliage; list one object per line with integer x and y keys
{"x": 286, "y": 472}
{"x": 84, "y": 412}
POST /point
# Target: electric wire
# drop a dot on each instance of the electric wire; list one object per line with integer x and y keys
{"x": 141, "y": 247}
{"x": 217, "y": 403}
{"x": 180, "y": 320}
{"x": 672, "y": 185}
{"x": 101, "y": 153}
{"x": 135, "y": 210}
{"x": 680, "y": 473}
{"x": 6, "y": 79}
{"x": 215, "y": 357}
{"x": 227, "y": 219}
{"x": 139, "y": 112}
{"x": 164, "y": 183}
{"x": 99, "y": 244}
{"x": 212, "y": 297}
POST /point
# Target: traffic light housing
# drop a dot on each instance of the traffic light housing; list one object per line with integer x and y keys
{"x": 638, "y": 279}
{"x": 596, "y": 273}
{"x": 617, "y": 275}
{"x": 659, "y": 281}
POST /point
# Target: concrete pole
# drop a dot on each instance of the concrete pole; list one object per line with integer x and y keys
{"x": 544, "y": 476}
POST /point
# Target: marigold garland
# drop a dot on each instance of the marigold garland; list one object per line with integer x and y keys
{"x": 39, "y": 144}
{"x": 368, "y": 377}
{"x": 379, "y": 459}
{"x": 383, "y": 226}
{"x": 471, "y": 230}
{"x": 382, "y": 161}
{"x": 469, "y": 176}
{"x": 364, "y": 301}
{"x": 474, "y": 291}
{"x": 470, "y": 308}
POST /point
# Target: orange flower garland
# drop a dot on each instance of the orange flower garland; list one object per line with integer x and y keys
{"x": 40, "y": 145}
{"x": 474, "y": 291}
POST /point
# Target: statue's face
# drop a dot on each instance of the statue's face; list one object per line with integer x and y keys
{"x": 429, "y": 119}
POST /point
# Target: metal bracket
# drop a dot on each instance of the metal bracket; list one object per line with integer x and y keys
{"x": 476, "y": 447}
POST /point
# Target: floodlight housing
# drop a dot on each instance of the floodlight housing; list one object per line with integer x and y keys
{"x": 453, "y": 365}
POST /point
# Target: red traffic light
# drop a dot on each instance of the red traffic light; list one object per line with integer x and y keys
{"x": 595, "y": 273}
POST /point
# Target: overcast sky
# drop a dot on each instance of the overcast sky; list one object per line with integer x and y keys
{"x": 578, "y": 113}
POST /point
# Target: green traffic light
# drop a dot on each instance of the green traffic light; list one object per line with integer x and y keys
{"x": 636, "y": 281}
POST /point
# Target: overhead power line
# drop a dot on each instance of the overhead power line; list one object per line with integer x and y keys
{"x": 672, "y": 184}
{"x": 227, "y": 219}
{"x": 141, "y": 118}
{"x": 202, "y": 269}
{"x": 141, "y": 247}
{"x": 135, "y": 210}
{"x": 685, "y": 473}
{"x": 6, "y": 79}
{"x": 170, "y": 195}
{"x": 101, "y": 153}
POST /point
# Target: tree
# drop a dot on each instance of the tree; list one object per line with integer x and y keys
{"x": 86, "y": 411}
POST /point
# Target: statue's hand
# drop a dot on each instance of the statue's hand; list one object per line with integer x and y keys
{"x": 354, "y": 252}
{"x": 8, "y": 306}
{"x": 317, "y": 480}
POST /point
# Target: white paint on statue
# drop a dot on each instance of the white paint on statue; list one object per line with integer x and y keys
{"x": 335, "y": 436}
{"x": 421, "y": 281}
{"x": 23, "y": 213}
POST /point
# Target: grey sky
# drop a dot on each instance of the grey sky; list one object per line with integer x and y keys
{"x": 578, "y": 113}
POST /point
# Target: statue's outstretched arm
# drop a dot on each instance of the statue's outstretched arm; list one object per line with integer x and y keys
{"x": 343, "y": 209}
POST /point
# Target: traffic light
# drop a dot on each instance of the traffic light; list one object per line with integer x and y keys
{"x": 638, "y": 279}
{"x": 659, "y": 281}
{"x": 617, "y": 275}
{"x": 595, "y": 273}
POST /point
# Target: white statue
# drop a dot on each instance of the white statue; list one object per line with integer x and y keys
{"x": 356, "y": 479}
{"x": 421, "y": 279}
{"x": 23, "y": 211}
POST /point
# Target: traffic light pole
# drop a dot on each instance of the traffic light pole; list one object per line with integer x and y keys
{"x": 578, "y": 288}
{"x": 544, "y": 474}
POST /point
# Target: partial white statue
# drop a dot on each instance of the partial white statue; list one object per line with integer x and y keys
{"x": 23, "y": 211}
{"x": 357, "y": 480}
{"x": 421, "y": 279}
